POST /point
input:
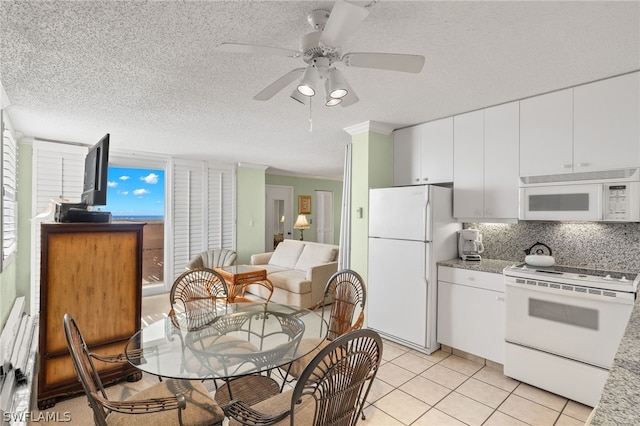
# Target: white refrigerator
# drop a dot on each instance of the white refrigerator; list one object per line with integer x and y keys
{"x": 411, "y": 228}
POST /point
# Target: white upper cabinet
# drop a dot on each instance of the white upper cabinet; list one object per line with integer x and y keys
{"x": 406, "y": 156}
{"x": 423, "y": 154}
{"x": 607, "y": 124}
{"x": 468, "y": 170}
{"x": 592, "y": 127}
{"x": 437, "y": 151}
{"x": 485, "y": 184}
{"x": 501, "y": 152}
{"x": 546, "y": 134}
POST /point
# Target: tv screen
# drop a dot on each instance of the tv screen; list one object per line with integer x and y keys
{"x": 96, "y": 167}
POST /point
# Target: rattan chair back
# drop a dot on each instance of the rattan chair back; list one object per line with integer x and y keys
{"x": 214, "y": 258}
{"x": 85, "y": 369}
{"x": 198, "y": 289}
{"x": 346, "y": 289}
{"x": 339, "y": 378}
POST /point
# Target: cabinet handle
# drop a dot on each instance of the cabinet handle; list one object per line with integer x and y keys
{"x": 500, "y": 298}
{"x": 417, "y": 179}
{"x": 425, "y": 179}
{"x": 566, "y": 166}
{"x": 582, "y": 164}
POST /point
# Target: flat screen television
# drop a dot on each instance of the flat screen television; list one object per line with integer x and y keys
{"x": 96, "y": 167}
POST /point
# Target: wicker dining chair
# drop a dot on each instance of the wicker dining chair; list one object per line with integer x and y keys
{"x": 199, "y": 289}
{"x": 332, "y": 389}
{"x": 346, "y": 290}
{"x": 182, "y": 402}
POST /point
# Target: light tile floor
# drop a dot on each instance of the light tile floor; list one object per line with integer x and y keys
{"x": 412, "y": 388}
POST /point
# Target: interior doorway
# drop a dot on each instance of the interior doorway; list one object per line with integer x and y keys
{"x": 324, "y": 217}
{"x": 279, "y": 215}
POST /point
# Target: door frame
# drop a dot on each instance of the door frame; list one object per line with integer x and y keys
{"x": 273, "y": 193}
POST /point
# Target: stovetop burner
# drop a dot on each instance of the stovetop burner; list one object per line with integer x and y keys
{"x": 594, "y": 278}
{"x": 580, "y": 272}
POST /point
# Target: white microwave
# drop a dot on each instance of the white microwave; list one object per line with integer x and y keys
{"x": 601, "y": 202}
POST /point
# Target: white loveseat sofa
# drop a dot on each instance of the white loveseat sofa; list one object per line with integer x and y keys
{"x": 299, "y": 271}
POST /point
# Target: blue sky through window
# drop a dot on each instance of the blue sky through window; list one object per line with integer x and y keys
{"x": 135, "y": 193}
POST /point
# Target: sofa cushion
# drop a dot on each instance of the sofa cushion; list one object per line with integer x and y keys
{"x": 291, "y": 280}
{"x": 314, "y": 255}
{"x": 287, "y": 254}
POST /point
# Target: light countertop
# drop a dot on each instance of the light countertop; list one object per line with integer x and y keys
{"x": 485, "y": 265}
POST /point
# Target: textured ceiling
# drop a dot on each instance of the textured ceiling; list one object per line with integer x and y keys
{"x": 149, "y": 73}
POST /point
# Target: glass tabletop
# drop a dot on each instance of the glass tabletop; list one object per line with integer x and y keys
{"x": 233, "y": 340}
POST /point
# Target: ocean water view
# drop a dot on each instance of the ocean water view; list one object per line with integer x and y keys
{"x": 137, "y": 217}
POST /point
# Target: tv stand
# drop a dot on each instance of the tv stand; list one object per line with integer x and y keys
{"x": 78, "y": 212}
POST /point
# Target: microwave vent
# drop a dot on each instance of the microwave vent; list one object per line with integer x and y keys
{"x": 600, "y": 176}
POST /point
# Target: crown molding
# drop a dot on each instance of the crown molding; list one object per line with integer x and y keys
{"x": 369, "y": 126}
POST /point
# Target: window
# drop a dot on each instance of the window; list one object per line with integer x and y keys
{"x": 138, "y": 194}
{"x": 9, "y": 205}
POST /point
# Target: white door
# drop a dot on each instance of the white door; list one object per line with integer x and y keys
{"x": 324, "y": 217}
{"x": 278, "y": 215}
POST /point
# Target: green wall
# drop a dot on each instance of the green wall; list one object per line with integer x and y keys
{"x": 372, "y": 167}
{"x": 308, "y": 186}
{"x": 250, "y": 213}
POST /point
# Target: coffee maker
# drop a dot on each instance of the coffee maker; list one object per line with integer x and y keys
{"x": 470, "y": 244}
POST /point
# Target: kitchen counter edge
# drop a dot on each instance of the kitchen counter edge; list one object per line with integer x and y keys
{"x": 485, "y": 265}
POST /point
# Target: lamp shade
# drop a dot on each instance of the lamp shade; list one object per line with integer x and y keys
{"x": 309, "y": 80}
{"x": 335, "y": 84}
{"x": 301, "y": 222}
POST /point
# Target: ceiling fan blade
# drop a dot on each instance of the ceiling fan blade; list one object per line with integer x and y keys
{"x": 279, "y": 84}
{"x": 343, "y": 21}
{"x": 385, "y": 61}
{"x": 260, "y": 50}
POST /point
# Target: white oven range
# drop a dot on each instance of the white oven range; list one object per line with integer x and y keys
{"x": 564, "y": 326}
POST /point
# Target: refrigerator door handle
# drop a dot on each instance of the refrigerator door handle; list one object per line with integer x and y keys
{"x": 427, "y": 220}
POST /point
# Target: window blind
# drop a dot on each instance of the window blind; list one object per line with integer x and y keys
{"x": 9, "y": 226}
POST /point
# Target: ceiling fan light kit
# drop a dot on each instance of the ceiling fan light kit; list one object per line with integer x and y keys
{"x": 322, "y": 48}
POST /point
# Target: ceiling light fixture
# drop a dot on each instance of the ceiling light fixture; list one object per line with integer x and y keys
{"x": 297, "y": 96}
{"x": 332, "y": 101}
{"x": 307, "y": 85}
{"x": 335, "y": 84}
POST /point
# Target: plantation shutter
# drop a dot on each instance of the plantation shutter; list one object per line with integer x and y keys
{"x": 203, "y": 209}
{"x": 9, "y": 190}
{"x": 58, "y": 173}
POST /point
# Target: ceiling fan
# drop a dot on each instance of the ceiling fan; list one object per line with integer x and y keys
{"x": 321, "y": 50}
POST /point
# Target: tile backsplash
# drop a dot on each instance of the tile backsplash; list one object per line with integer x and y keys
{"x": 611, "y": 246}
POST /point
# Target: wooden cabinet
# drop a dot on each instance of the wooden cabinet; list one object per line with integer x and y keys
{"x": 423, "y": 154}
{"x": 486, "y": 163}
{"x": 593, "y": 127}
{"x": 93, "y": 272}
{"x": 471, "y": 313}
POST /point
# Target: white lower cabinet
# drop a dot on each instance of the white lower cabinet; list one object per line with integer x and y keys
{"x": 471, "y": 313}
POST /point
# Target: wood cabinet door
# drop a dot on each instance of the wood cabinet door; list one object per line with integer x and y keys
{"x": 546, "y": 134}
{"x": 607, "y": 124}
{"x": 437, "y": 151}
{"x": 406, "y": 156}
{"x": 501, "y": 153}
{"x": 468, "y": 171}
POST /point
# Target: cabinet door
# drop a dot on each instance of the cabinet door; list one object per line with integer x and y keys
{"x": 472, "y": 320}
{"x": 437, "y": 151}
{"x": 468, "y": 172}
{"x": 546, "y": 134}
{"x": 406, "y": 156}
{"x": 501, "y": 149}
{"x": 607, "y": 124}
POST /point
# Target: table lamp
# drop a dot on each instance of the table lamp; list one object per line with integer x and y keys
{"x": 301, "y": 224}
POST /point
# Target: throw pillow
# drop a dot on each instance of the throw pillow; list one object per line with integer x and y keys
{"x": 286, "y": 254}
{"x": 314, "y": 255}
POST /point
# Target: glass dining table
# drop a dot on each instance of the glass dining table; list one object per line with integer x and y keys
{"x": 234, "y": 342}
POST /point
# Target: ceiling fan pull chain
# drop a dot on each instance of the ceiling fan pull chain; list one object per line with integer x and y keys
{"x": 310, "y": 118}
